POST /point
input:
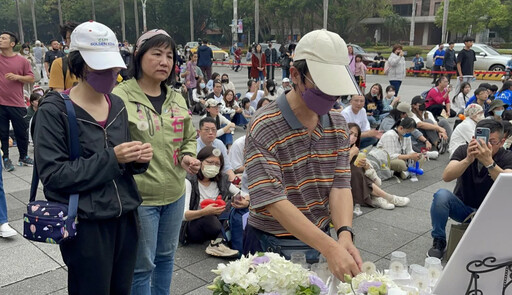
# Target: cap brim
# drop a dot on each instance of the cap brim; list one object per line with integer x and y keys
{"x": 333, "y": 79}
{"x": 103, "y": 60}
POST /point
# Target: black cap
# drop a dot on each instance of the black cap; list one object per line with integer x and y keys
{"x": 417, "y": 99}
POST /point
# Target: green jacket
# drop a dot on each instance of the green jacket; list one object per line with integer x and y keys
{"x": 172, "y": 135}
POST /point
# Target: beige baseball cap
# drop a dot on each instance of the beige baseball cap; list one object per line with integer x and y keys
{"x": 326, "y": 55}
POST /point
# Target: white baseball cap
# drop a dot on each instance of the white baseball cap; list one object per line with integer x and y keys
{"x": 97, "y": 45}
{"x": 326, "y": 55}
{"x": 285, "y": 80}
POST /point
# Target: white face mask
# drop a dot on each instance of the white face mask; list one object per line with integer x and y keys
{"x": 391, "y": 93}
{"x": 210, "y": 171}
{"x": 26, "y": 51}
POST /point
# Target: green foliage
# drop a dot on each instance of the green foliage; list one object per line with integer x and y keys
{"x": 412, "y": 50}
{"x": 479, "y": 14}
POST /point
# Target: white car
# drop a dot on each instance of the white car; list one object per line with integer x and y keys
{"x": 487, "y": 58}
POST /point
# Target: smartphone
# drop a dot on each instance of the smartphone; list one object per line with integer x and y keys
{"x": 238, "y": 197}
{"x": 482, "y": 133}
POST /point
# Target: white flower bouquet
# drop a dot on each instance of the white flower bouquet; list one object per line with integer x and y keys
{"x": 366, "y": 283}
{"x": 265, "y": 273}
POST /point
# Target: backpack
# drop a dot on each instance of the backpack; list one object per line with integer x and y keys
{"x": 425, "y": 93}
{"x": 236, "y": 230}
{"x": 380, "y": 161}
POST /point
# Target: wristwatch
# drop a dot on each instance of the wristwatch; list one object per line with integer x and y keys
{"x": 345, "y": 228}
{"x": 491, "y": 166}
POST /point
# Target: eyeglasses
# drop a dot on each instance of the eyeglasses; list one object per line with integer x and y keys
{"x": 208, "y": 130}
{"x": 495, "y": 142}
{"x": 212, "y": 163}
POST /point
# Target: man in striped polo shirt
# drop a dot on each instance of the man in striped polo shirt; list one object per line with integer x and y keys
{"x": 297, "y": 161}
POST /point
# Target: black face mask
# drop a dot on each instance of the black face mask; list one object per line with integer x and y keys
{"x": 422, "y": 107}
{"x": 225, "y": 80}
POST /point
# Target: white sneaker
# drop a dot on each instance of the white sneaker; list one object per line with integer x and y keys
{"x": 219, "y": 249}
{"x": 382, "y": 203}
{"x": 7, "y": 231}
{"x": 399, "y": 201}
{"x": 432, "y": 155}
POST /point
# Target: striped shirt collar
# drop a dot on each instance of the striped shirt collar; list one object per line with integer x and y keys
{"x": 290, "y": 117}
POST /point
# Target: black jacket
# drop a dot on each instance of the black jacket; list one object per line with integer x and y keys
{"x": 271, "y": 55}
{"x": 107, "y": 189}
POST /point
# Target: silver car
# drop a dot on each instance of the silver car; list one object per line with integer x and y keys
{"x": 487, "y": 59}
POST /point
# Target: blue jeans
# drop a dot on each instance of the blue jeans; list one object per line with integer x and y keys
{"x": 444, "y": 205}
{"x": 396, "y": 84}
{"x": 285, "y": 72}
{"x": 3, "y": 202}
{"x": 160, "y": 230}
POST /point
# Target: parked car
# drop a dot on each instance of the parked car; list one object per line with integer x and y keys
{"x": 192, "y": 44}
{"x": 487, "y": 58}
{"x": 367, "y": 56}
{"x": 277, "y": 46}
{"x": 218, "y": 54}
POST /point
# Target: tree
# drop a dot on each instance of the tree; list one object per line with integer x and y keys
{"x": 394, "y": 23}
{"x": 479, "y": 14}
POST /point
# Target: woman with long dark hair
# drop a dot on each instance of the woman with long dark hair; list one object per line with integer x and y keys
{"x": 364, "y": 180}
{"x": 460, "y": 99}
{"x": 159, "y": 114}
{"x": 258, "y": 64}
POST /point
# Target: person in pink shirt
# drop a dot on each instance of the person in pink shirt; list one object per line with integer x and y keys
{"x": 438, "y": 98}
{"x": 15, "y": 71}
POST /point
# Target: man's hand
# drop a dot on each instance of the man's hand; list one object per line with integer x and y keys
{"x": 472, "y": 151}
{"x": 12, "y": 77}
{"x": 344, "y": 258}
{"x": 146, "y": 153}
{"x": 484, "y": 154}
{"x": 240, "y": 203}
{"x": 191, "y": 165}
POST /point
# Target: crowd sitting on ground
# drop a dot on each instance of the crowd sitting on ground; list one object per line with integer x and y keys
{"x": 204, "y": 201}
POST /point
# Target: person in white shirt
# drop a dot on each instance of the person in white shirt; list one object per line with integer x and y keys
{"x": 465, "y": 131}
{"x": 438, "y": 133}
{"x": 217, "y": 92}
{"x": 460, "y": 99}
{"x": 199, "y": 97}
{"x": 226, "y": 84}
{"x": 207, "y": 137}
{"x": 236, "y": 155}
{"x": 285, "y": 85}
{"x": 355, "y": 113}
{"x": 223, "y": 125}
{"x": 397, "y": 143}
{"x": 202, "y": 222}
{"x": 253, "y": 94}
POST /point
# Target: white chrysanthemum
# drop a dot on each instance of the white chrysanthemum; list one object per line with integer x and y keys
{"x": 364, "y": 277}
{"x": 280, "y": 275}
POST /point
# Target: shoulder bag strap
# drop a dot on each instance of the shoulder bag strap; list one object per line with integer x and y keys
{"x": 74, "y": 149}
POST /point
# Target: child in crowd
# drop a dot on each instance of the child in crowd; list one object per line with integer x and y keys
{"x": 364, "y": 180}
{"x": 373, "y": 105}
{"x": 208, "y": 222}
{"x": 248, "y": 109}
{"x": 390, "y": 101}
{"x": 360, "y": 72}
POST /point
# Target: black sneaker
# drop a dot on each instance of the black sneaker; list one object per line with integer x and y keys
{"x": 27, "y": 161}
{"x": 8, "y": 166}
{"x": 437, "y": 249}
{"x": 442, "y": 146}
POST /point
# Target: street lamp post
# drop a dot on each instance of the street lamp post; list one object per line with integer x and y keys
{"x": 413, "y": 24}
{"x": 444, "y": 35}
{"x": 326, "y": 9}
{"x": 256, "y": 21}
{"x": 191, "y": 21}
{"x": 235, "y": 24}
{"x": 32, "y": 7}
{"x": 20, "y": 24}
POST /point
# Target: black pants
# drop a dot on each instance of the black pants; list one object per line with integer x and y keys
{"x": 450, "y": 69}
{"x": 437, "y": 109}
{"x": 203, "y": 229}
{"x": 207, "y": 72}
{"x": 249, "y": 72}
{"x": 101, "y": 258}
{"x": 269, "y": 74}
{"x": 16, "y": 115}
{"x": 436, "y": 68}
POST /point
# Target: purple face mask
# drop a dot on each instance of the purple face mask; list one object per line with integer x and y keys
{"x": 102, "y": 81}
{"x": 318, "y": 101}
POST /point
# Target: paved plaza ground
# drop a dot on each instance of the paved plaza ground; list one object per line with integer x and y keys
{"x": 36, "y": 268}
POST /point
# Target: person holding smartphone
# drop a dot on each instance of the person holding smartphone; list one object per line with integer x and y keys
{"x": 396, "y": 70}
{"x": 475, "y": 165}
